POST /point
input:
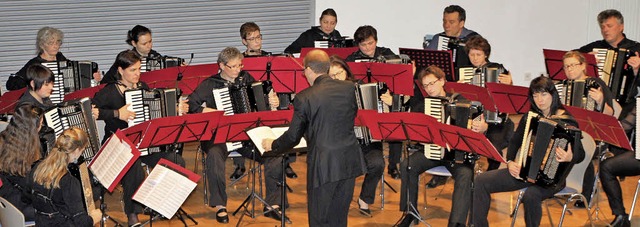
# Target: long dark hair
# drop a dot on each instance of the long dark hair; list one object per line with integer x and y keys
{"x": 544, "y": 84}
{"x": 135, "y": 33}
{"x": 19, "y": 142}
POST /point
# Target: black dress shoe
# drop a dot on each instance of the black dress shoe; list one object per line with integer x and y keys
{"x": 275, "y": 214}
{"x": 395, "y": 174}
{"x": 406, "y": 221}
{"x": 222, "y": 218}
{"x": 436, "y": 181}
{"x": 579, "y": 204}
{"x": 237, "y": 173}
{"x": 290, "y": 174}
{"x": 621, "y": 221}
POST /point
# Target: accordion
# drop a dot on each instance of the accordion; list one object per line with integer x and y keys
{"x": 75, "y": 113}
{"x": 389, "y": 59}
{"x": 480, "y": 76}
{"x": 334, "y": 43}
{"x": 368, "y": 98}
{"x": 159, "y": 62}
{"x": 459, "y": 114}
{"x": 70, "y": 76}
{"x": 576, "y": 93}
{"x": 537, "y": 154}
{"x": 151, "y": 104}
{"x": 611, "y": 66}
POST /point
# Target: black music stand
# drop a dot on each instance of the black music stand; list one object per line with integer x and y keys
{"x": 441, "y": 58}
{"x": 509, "y": 98}
{"x": 553, "y": 63}
{"x": 398, "y": 77}
{"x": 232, "y": 128}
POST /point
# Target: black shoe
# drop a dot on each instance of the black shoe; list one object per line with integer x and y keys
{"x": 275, "y": 214}
{"x": 290, "y": 174}
{"x": 395, "y": 174}
{"x": 579, "y": 204}
{"x": 222, "y": 218}
{"x": 406, "y": 221}
{"x": 365, "y": 212}
{"x": 621, "y": 221}
{"x": 237, "y": 173}
{"x": 437, "y": 181}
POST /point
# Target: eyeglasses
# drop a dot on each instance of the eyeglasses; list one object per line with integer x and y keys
{"x": 572, "y": 65}
{"x": 430, "y": 84}
{"x": 259, "y": 37}
{"x": 239, "y": 66}
{"x": 335, "y": 75}
{"x": 56, "y": 42}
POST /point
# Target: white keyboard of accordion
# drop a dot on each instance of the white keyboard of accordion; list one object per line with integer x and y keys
{"x": 134, "y": 98}
{"x": 636, "y": 132}
{"x": 143, "y": 65}
{"x": 443, "y": 43}
{"x": 601, "y": 56}
{"x": 57, "y": 94}
{"x": 53, "y": 121}
{"x": 434, "y": 108}
{"x": 466, "y": 74}
{"x": 223, "y": 100}
{"x": 561, "y": 90}
{"x": 321, "y": 44}
{"x": 434, "y": 152}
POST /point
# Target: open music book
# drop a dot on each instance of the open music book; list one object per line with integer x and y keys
{"x": 113, "y": 160}
{"x": 166, "y": 188}
{"x": 265, "y": 132}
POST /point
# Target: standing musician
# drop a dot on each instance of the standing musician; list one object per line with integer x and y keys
{"x": 326, "y": 30}
{"x": 432, "y": 79}
{"x": 48, "y": 43}
{"x": 57, "y": 195}
{"x": 139, "y": 37}
{"x": 373, "y": 157}
{"x": 453, "y": 20}
{"x": 202, "y": 100}
{"x": 324, "y": 113}
{"x": 110, "y": 102}
{"x": 545, "y": 101}
{"x": 19, "y": 149}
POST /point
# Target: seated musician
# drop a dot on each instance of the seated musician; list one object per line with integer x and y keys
{"x": 40, "y": 85}
{"x": 110, "y": 102}
{"x": 366, "y": 37}
{"x": 479, "y": 50}
{"x": 432, "y": 79}
{"x": 139, "y": 37}
{"x": 544, "y": 100}
{"x": 48, "y": 43}
{"x": 202, "y": 100}
{"x": 57, "y": 195}
{"x": 326, "y": 30}
{"x": 19, "y": 149}
{"x": 373, "y": 156}
{"x": 453, "y": 20}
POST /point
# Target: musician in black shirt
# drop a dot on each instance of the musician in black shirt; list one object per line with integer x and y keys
{"x": 366, "y": 37}
{"x": 252, "y": 39}
{"x": 39, "y": 87}
{"x": 326, "y": 30}
{"x": 48, "y": 43}
{"x": 545, "y": 101}
{"x": 432, "y": 79}
{"x": 202, "y": 100}
{"x": 110, "y": 102}
{"x": 139, "y": 37}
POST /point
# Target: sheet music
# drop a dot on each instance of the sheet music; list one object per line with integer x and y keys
{"x": 265, "y": 132}
{"x": 164, "y": 190}
{"x": 113, "y": 158}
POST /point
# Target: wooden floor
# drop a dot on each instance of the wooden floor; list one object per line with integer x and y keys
{"x": 437, "y": 213}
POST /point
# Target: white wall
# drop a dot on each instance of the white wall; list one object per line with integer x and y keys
{"x": 516, "y": 30}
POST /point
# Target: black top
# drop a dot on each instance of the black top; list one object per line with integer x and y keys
{"x": 204, "y": 94}
{"x": 20, "y": 79}
{"x": 46, "y": 134}
{"x": 108, "y": 100}
{"x": 110, "y": 76}
{"x": 27, "y": 97}
{"x": 307, "y": 38}
{"x": 380, "y": 51}
{"x": 262, "y": 53}
{"x": 14, "y": 190}
{"x": 324, "y": 113}
{"x": 67, "y": 200}
{"x": 625, "y": 43}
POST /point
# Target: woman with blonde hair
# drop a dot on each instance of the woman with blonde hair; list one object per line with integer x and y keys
{"x": 57, "y": 195}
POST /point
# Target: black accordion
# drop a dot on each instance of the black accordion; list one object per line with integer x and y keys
{"x": 75, "y": 113}
{"x": 236, "y": 99}
{"x": 612, "y": 66}
{"x": 70, "y": 76}
{"x": 334, "y": 42}
{"x": 389, "y": 59}
{"x": 537, "y": 154}
{"x": 460, "y": 114}
{"x": 368, "y": 98}
{"x": 480, "y": 76}
{"x": 151, "y": 104}
{"x": 159, "y": 62}
{"x": 576, "y": 93}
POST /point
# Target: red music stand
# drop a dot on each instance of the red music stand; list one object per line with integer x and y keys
{"x": 187, "y": 85}
{"x": 425, "y": 58}
{"x": 87, "y": 92}
{"x": 553, "y": 63}
{"x": 509, "y": 98}
{"x": 601, "y": 127}
{"x": 473, "y": 93}
{"x": 398, "y": 77}
{"x": 9, "y": 99}
{"x": 342, "y": 52}
{"x": 171, "y": 73}
{"x": 285, "y": 73}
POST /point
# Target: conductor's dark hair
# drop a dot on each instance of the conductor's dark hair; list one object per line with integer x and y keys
{"x": 364, "y": 32}
{"x": 136, "y": 32}
{"x": 462, "y": 14}
{"x": 40, "y": 75}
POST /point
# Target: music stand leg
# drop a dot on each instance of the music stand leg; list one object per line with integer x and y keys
{"x": 411, "y": 209}
{"x": 595, "y": 194}
{"x": 103, "y": 209}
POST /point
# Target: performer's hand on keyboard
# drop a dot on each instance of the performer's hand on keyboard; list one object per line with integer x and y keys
{"x": 596, "y": 94}
{"x": 386, "y": 98}
{"x": 95, "y": 111}
{"x": 514, "y": 169}
{"x": 564, "y": 156}
{"x": 479, "y": 126}
{"x": 274, "y": 101}
{"x": 266, "y": 144}
{"x": 505, "y": 79}
{"x": 207, "y": 110}
{"x": 634, "y": 62}
{"x": 125, "y": 114}
{"x": 183, "y": 106}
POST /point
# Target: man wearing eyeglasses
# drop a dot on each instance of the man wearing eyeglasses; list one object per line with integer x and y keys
{"x": 202, "y": 99}
{"x": 252, "y": 39}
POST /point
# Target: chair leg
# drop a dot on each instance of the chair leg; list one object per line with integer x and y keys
{"x": 515, "y": 209}
{"x": 570, "y": 199}
{"x": 548, "y": 212}
{"x": 382, "y": 192}
{"x": 635, "y": 198}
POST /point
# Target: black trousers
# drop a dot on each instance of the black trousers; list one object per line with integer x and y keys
{"x": 135, "y": 176}
{"x": 374, "y": 160}
{"x": 395, "y": 153}
{"x": 462, "y": 173}
{"x": 217, "y": 182}
{"x": 500, "y": 180}
{"x": 328, "y": 204}
{"x": 624, "y": 164}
